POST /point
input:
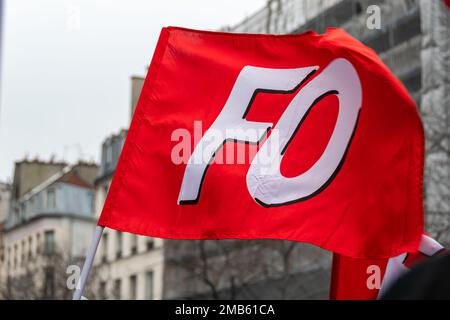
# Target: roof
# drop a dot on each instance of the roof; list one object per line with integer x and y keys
{"x": 121, "y": 133}
{"x": 38, "y": 161}
{"x": 72, "y": 178}
{"x": 66, "y": 175}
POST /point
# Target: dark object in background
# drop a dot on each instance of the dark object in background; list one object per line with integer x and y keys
{"x": 428, "y": 281}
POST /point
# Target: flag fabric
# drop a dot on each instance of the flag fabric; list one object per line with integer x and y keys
{"x": 368, "y": 279}
{"x": 332, "y": 145}
{"x": 356, "y": 279}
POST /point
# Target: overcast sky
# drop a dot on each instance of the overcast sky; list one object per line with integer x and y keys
{"x": 66, "y": 66}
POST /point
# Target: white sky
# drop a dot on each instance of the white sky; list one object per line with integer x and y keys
{"x": 66, "y": 66}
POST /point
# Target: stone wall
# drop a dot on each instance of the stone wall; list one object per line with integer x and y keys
{"x": 435, "y": 109}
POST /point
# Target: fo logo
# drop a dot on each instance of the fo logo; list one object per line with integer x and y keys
{"x": 265, "y": 183}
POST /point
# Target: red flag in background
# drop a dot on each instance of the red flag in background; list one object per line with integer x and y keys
{"x": 368, "y": 279}
{"x": 335, "y": 145}
{"x": 356, "y": 279}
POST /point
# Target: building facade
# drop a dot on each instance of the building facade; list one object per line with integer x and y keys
{"x": 48, "y": 228}
{"x": 413, "y": 41}
{"x": 129, "y": 266}
{"x": 5, "y": 193}
{"x": 137, "y": 82}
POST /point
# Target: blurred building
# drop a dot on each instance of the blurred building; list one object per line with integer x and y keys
{"x": 129, "y": 266}
{"x": 5, "y": 193}
{"x": 49, "y": 226}
{"x": 414, "y": 42}
{"x": 28, "y": 174}
{"x": 137, "y": 82}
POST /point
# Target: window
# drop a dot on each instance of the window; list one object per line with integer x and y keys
{"x": 91, "y": 202}
{"x": 105, "y": 248}
{"x": 23, "y": 209}
{"x": 134, "y": 240}
{"x": 15, "y": 256}
{"x": 149, "y": 285}
{"x": 49, "y": 242}
{"x": 118, "y": 245}
{"x": 117, "y": 289}
{"x": 9, "y": 258}
{"x": 30, "y": 247}
{"x": 357, "y": 8}
{"x": 38, "y": 243}
{"x": 51, "y": 199}
{"x": 102, "y": 290}
{"x": 31, "y": 204}
{"x": 150, "y": 244}
{"x": 49, "y": 283}
{"x": 23, "y": 256}
{"x": 109, "y": 154}
{"x": 133, "y": 287}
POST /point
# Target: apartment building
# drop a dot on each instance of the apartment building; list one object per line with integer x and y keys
{"x": 48, "y": 227}
{"x": 5, "y": 193}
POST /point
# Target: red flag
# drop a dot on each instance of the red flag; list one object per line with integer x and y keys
{"x": 368, "y": 279}
{"x": 356, "y": 279}
{"x": 335, "y": 145}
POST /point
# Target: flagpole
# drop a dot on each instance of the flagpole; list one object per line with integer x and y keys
{"x": 88, "y": 263}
